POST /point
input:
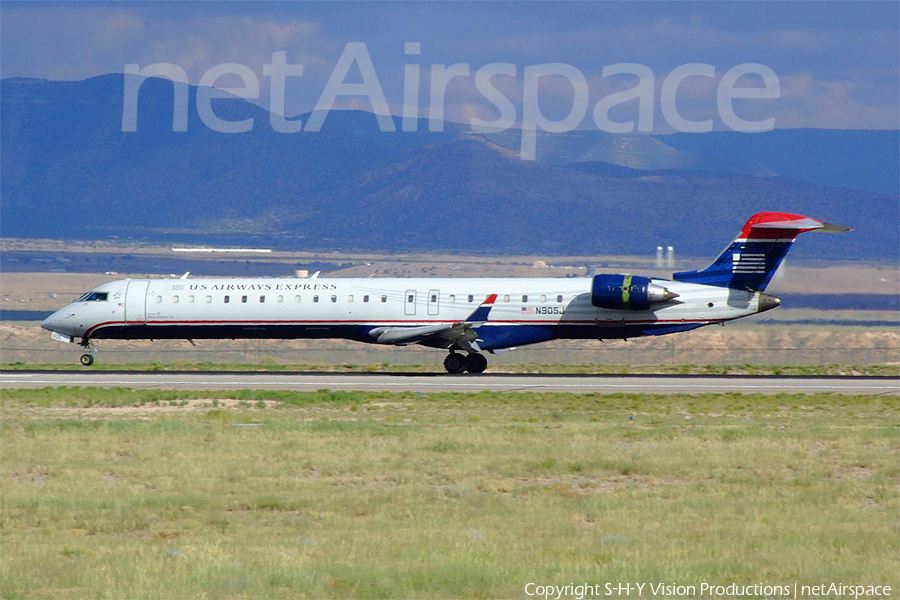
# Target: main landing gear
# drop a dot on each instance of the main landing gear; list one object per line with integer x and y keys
{"x": 473, "y": 363}
{"x": 87, "y": 359}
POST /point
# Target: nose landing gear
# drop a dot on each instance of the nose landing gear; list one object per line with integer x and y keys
{"x": 87, "y": 359}
{"x": 473, "y": 363}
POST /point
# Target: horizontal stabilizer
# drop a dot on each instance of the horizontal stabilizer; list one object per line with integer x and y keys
{"x": 799, "y": 225}
{"x": 832, "y": 228}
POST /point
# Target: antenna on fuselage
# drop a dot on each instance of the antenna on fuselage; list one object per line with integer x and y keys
{"x": 185, "y": 275}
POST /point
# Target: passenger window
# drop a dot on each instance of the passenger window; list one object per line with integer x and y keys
{"x": 333, "y": 299}
{"x": 279, "y": 299}
{"x": 543, "y": 298}
{"x": 175, "y": 299}
{"x": 227, "y": 299}
{"x": 244, "y": 299}
{"x": 506, "y": 298}
{"x": 366, "y": 298}
{"x": 262, "y": 299}
{"x": 451, "y": 298}
{"x": 350, "y": 298}
{"x": 159, "y": 299}
{"x": 208, "y": 299}
{"x": 524, "y": 298}
{"x": 559, "y": 298}
{"x": 384, "y": 298}
{"x": 190, "y": 299}
{"x": 315, "y": 298}
{"x": 471, "y": 297}
{"x": 296, "y": 298}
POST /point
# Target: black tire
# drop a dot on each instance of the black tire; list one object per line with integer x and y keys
{"x": 87, "y": 360}
{"x": 455, "y": 363}
{"x": 476, "y": 363}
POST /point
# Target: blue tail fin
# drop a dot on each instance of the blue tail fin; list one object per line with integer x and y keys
{"x": 753, "y": 257}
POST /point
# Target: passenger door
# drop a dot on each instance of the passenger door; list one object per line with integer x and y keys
{"x": 136, "y": 302}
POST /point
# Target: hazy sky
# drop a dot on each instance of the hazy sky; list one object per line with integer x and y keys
{"x": 837, "y": 63}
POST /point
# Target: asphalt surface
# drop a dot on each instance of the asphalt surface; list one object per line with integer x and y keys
{"x": 607, "y": 384}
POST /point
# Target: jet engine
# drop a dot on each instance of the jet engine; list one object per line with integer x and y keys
{"x": 627, "y": 291}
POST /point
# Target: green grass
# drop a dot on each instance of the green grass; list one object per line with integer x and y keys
{"x": 149, "y": 494}
{"x": 891, "y": 370}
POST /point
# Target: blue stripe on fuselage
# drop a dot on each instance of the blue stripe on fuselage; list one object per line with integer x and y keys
{"x": 491, "y": 337}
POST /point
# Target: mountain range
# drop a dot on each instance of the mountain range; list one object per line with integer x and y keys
{"x": 69, "y": 171}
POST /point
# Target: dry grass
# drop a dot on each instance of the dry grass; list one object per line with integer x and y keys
{"x": 443, "y": 495}
{"x": 739, "y": 345}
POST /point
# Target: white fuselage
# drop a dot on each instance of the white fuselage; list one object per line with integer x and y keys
{"x": 469, "y": 315}
{"x": 525, "y": 310}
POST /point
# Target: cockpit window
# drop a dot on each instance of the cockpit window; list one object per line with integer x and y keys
{"x": 94, "y": 297}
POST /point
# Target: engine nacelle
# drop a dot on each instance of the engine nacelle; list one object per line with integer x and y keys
{"x": 630, "y": 292}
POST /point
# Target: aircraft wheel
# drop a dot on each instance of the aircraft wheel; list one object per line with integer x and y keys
{"x": 87, "y": 360}
{"x": 476, "y": 363}
{"x": 455, "y": 363}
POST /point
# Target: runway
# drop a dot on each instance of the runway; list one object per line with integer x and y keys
{"x": 385, "y": 382}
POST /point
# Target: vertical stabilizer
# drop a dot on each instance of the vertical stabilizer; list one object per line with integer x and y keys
{"x": 753, "y": 257}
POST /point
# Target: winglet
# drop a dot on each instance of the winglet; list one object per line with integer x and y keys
{"x": 480, "y": 314}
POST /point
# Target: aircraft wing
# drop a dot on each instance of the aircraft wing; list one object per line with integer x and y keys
{"x": 407, "y": 335}
{"x": 461, "y": 334}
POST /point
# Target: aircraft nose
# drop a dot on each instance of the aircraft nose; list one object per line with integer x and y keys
{"x": 56, "y": 322}
{"x": 48, "y": 322}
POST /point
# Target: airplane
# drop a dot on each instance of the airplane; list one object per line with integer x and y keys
{"x": 469, "y": 317}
